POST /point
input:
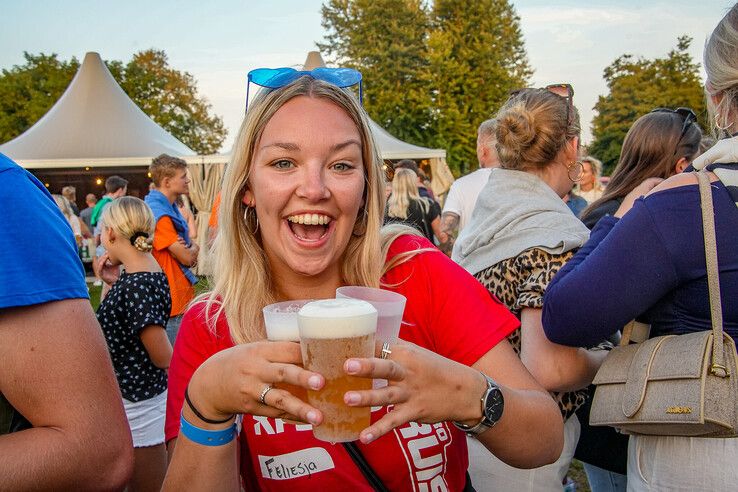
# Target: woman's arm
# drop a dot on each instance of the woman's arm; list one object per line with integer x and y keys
{"x": 555, "y": 367}
{"x": 428, "y": 388}
{"x": 231, "y": 382}
{"x": 156, "y": 343}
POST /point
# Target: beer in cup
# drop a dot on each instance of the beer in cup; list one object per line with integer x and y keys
{"x": 332, "y": 331}
{"x": 389, "y": 305}
{"x": 280, "y": 322}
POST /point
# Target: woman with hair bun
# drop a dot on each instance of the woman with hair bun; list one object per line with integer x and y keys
{"x": 133, "y": 316}
{"x": 521, "y": 233}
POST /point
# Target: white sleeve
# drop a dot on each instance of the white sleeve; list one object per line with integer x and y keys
{"x": 76, "y": 228}
{"x": 453, "y": 201}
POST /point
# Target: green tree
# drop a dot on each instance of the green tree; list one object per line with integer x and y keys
{"x": 477, "y": 56}
{"x": 638, "y": 85}
{"x": 386, "y": 41}
{"x": 168, "y": 96}
{"x": 28, "y": 91}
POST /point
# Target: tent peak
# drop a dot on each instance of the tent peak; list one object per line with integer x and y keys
{"x": 313, "y": 60}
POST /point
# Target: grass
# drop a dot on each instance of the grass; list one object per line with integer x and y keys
{"x": 576, "y": 473}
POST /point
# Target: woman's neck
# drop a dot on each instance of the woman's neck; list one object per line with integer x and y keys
{"x": 586, "y": 187}
{"x": 295, "y": 286}
{"x": 135, "y": 261}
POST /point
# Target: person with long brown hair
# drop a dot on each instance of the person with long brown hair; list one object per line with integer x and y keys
{"x": 647, "y": 262}
{"x": 660, "y": 144}
{"x": 301, "y": 211}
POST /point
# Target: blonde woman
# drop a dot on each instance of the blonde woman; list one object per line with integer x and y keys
{"x": 520, "y": 234}
{"x": 66, "y": 209}
{"x": 132, "y": 317}
{"x": 301, "y": 210}
{"x": 406, "y": 206}
{"x": 589, "y": 186}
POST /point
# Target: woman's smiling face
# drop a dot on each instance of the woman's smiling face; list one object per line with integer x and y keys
{"x": 306, "y": 183}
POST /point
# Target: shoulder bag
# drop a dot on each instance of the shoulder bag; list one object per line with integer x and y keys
{"x": 674, "y": 385}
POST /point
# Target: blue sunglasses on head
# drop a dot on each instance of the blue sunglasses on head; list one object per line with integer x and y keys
{"x": 274, "y": 78}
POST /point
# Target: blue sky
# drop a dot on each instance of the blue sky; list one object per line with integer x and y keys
{"x": 219, "y": 41}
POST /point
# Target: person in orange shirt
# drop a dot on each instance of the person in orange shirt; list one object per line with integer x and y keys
{"x": 213, "y": 221}
{"x": 173, "y": 249}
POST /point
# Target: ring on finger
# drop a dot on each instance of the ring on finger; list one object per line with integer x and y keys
{"x": 262, "y": 396}
{"x": 385, "y": 351}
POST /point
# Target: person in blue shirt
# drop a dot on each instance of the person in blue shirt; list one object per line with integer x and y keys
{"x": 62, "y": 424}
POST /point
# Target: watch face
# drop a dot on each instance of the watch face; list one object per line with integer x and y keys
{"x": 494, "y": 405}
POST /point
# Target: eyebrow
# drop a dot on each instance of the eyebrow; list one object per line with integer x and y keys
{"x": 295, "y": 147}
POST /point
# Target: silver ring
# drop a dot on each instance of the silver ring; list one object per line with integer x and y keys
{"x": 262, "y": 396}
{"x": 385, "y": 351}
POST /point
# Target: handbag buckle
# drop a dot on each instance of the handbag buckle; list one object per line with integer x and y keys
{"x": 719, "y": 370}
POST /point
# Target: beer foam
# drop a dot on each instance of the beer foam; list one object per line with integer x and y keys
{"x": 337, "y": 318}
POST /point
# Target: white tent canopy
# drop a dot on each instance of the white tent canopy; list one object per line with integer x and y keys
{"x": 93, "y": 122}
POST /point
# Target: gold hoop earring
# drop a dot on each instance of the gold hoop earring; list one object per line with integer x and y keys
{"x": 251, "y": 212}
{"x": 575, "y": 166}
{"x": 721, "y": 128}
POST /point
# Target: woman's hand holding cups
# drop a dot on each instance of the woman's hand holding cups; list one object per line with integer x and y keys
{"x": 242, "y": 379}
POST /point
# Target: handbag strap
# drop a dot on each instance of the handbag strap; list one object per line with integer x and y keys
{"x": 718, "y": 367}
{"x": 364, "y": 467}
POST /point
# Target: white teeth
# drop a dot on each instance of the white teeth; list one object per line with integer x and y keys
{"x": 309, "y": 219}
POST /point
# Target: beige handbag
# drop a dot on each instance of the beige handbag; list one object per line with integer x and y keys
{"x": 674, "y": 385}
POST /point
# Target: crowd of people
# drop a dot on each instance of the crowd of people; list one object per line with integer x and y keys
{"x": 517, "y": 289}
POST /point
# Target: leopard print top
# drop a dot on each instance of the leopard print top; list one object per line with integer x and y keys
{"x": 520, "y": 282}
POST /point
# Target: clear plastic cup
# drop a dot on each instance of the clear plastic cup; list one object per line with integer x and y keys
{"x": 280, "y": 322}
{"x": 332, "y": 331}
{"x": 389, "y": 305}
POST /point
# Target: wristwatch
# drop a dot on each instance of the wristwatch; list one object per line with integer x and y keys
{"x": 493, "y": 405}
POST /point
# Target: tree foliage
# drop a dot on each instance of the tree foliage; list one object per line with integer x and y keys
{"x": 638, "y": 85}
{"x": 431, "y": 74}
{"x": 168, "y": 96}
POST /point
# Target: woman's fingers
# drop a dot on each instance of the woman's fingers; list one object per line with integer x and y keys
{"x": 391, "y": 420}
{"x": 389, "y": 395}
{"x": 281, "y": 403}
{"x": 375, "y": 368}
{"x": 292, "y": 374}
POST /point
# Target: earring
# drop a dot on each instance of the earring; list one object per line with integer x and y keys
{"x": 717, "y": 124}
{"x": 578, "y": 167}
{"x": 251, "y": 212}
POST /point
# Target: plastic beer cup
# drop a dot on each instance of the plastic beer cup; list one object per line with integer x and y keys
{"x": 389, "y": 305}
{"x": 280, "y": 322}
{"x": 332, "y": 331}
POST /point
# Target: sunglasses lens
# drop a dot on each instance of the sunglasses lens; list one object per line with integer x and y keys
{"x": 340, "y": 77}
{"x": 272, "y": 78}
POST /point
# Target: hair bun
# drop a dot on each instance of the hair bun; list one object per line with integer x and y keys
{"x": 516, "y": 133}
{"x": 142, "y": 242}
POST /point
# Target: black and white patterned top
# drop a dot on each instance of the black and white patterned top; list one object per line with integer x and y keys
{"x": 135, "y": 301}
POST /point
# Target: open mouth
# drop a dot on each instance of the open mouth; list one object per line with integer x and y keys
{"x": 309, "y": 227}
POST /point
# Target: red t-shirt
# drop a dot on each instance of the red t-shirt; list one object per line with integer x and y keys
{"x": 447, "y": 311}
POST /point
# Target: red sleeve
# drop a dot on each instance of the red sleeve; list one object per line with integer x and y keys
{"x": 447, "y": 311}
{"x": 196, "y": 342}
{"x": 164, "y": 235}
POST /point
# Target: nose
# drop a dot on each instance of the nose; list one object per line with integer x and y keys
{"x": 312, "y": 185}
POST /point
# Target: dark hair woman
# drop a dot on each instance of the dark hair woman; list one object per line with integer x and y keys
{"x": 658, "y": 145}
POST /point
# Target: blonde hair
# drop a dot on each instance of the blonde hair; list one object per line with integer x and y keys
{"x": 165, "y": 166}
{"x": 241, "y": 279}
{"x": 596, "y": 165}
{"x": 63, "y": 203}
{"x": 130, "y": 217}
{"x": 404, "y": 190}
{"x": 70, "y": 193}
{"x": 721, "y": 65}
{"x": 532, "y": 128}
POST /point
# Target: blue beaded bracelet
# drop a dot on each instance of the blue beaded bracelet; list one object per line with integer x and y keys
{"x": 207, "y": 437}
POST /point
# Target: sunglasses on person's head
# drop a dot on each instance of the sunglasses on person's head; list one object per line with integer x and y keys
{"x": 686, "y": 114}
{"x": 274, "y": 78}
{"x": 562, "y": 90}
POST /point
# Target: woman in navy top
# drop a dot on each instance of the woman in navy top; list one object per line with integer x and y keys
{"x": 648, "y": 262}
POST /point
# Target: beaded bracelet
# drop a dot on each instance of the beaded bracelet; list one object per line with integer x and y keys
{"x": 207, "y": 437}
